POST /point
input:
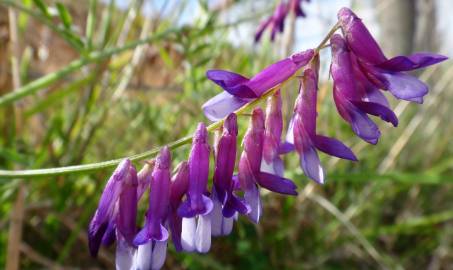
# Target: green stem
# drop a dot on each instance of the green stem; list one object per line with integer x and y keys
{"x": 76, "y": 65}
{"x": 151, "y": 153}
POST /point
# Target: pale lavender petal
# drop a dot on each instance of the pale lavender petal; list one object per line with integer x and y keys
{"x": 309, "y": 161}
{"x": 222, "y": 105}
{"x": 334, "y": 147}
{"x": 203, "y": 234}
{"x": 189, "y": 227}
{"x": 216, "y": 215}
{"x": 404, "y": 86}
{"x": 143, "y": 256}
{"x": 411, "y": 62}
{"x": 363, "y": 126}
{"x": 144, "y": 178}
{"x": 252, "y": 197}
{"x": 158, "y": 255}
{"x": 124, "y": 255}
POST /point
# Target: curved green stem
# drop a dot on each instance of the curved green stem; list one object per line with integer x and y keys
{"x": 151, "y": 153}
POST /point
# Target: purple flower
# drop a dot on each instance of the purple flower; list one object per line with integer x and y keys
{"x": 387, "y": 74}
{"x": 144, "y": 178}
{"x": 196, "y": 223}
{"x": 102, "y": 226}
{"x": 352, "y": 93}
{"x": 276, "y": 22}
{"x": 303, "y": 131}
{"x": 296, "y": 7}
{"x": 152, "y": 239}
{"x": 240, "y": 90}
{"x": 272, "y": 162}
{"x": 249, "y": 172}
{"x": 226, "y": 204}
{"x": 179, "y": 186}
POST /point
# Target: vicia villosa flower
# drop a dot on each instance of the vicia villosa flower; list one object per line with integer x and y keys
{"x": 276, "y": 22}
{"x": 196, "y": 222}
{"x": 226, "y": 203}
{"x": 184, "y": 205}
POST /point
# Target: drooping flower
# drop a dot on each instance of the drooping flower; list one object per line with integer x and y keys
{"x": 249, "y": 171}
{"x": 272, "y": 162}
{"x": 387, "y": 74}
{"x": 152, "y": 239}
{"x": 226, "y": 204}
{"x": 196, "y": 222}
{"x": 350, "y": 94}
{"x": 303, "y": 131}
{"x": 276, "y": 22}
{"x": 179, "y": 186}
{"x": 103, "y": 224}
{"x": 239, "y": 90}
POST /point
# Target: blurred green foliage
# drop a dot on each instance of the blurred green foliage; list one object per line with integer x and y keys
{"x": 392, "y": 209}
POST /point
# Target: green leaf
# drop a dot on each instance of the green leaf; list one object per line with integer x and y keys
{"x": 65, "y": 17}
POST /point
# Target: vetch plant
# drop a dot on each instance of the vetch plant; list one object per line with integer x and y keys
{"x": 183, "y": 207}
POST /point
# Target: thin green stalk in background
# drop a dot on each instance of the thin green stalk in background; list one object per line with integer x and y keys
{"x": 47, "y": 80}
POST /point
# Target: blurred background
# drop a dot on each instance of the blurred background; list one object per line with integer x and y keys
{"x": 393, "y": 209}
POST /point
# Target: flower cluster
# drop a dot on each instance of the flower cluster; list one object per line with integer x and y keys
{"x": 184, "y": 207}
{"x": 276, "y": 22}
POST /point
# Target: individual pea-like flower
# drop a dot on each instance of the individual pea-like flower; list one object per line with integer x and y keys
{"x": 249, "y": 171}
{"x": 196, "y": 222}
{"x": 239, "y": 90}
{"x": 276, "y": 22}
{"x": 144, "y": 178}
{"x": 303, "y": 131}
{"x": 272, "y": 162}
{"x": 387, "y": 74}
{"x": 226, "y": 204}
{"x": 351, "y": 96}
{"x": 103, "y": 225}
{"x": 179, "y": 186}
{"x": 152, "y": 239}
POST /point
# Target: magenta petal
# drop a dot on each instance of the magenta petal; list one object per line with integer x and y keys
{"x": 359, "y": 38}
{"x": 231, "y": 82}
{"x": 261, "y": 28}
{"x": 377, "y": 110}
{"x": 334, "y": 147}
{"x": 411, "y": 62}
{"x": 222, "y": 105}
{"x": 276, "y": 183}
{"x": 405, "y": 86}
{"x": 279, "y": 72}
